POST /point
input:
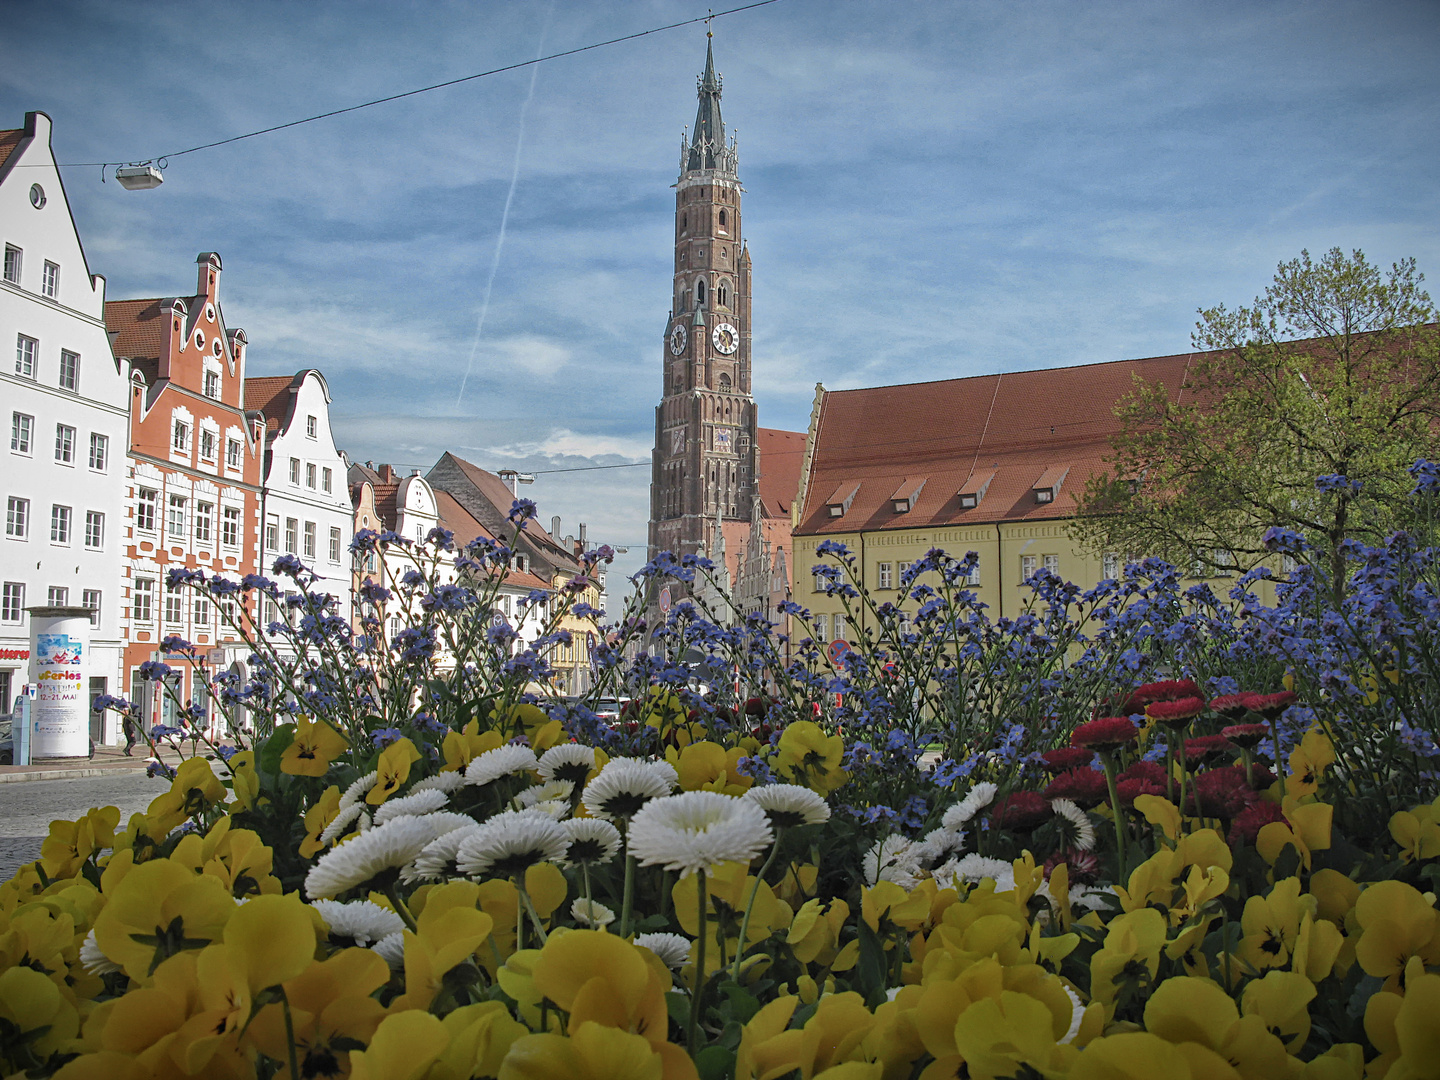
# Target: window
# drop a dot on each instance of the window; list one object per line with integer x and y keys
{"x": 230, "y": 527}
{"x": 291, "y": 528}
{"x": 65, "y": 444}
{"x": 99, "y": 451}
{"x": 59, "y": 524}
{"x": 309, "y": 539}
{"x": 17, "y": 518}
{"x": 25, "y": 350}
{"x": 327, "y": 480}
{"x": 12, "y": 264}
{"x": 202, "y": 611}
{"x": 142, "y": 601}
{"x": 839, "y": 630}
{"x": 146, "y": 510}
{"x": 20, "y": 428}
{"x": 310, "y": 476}
{"x": 700, "y": 292}
{"x": 1224, "y": 563}
{"x": 822, "y": 627}
{"x": 90, "y": 598}
{"x": 295, "y": 471}
{"x": 176, "y": 522}
{"x": 817, "y": 580}
{"x": 50, "y": 280}
{"x": 885, "y": 574}
{"x": 272, "y": 533}
{"x": 1110, "y": 565}
{"x": 722, "y": 219}
{"x": 12, "y": 601}
{"x": 204, "y": 514}
{"x": 1027, "y": 567}
{"x": 722, "y": 295}
{"x": 1052, "y": 564}
{"x": 311, "y": 427}
{"x": 180, "y": 439}
{"x": 973, "y": 577}
{"x": 232, "y": 454}
{"x": 212, "y": 385}
{"x": 174, "y": 604}
{"x": 207, "y": 445}
{"x": 334, "y": 545}
{"x": 94, "y": 530}
{"x": 58, "y": 596}
{"x": 69, "y": 370}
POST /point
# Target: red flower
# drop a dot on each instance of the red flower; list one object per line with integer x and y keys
{"x": 1271, "y": 706}
{"x": 1084, "y": 866}
{"x": 1107, "y": 733}
{"x": 1020, "y": 810}
{"x": 1219, "y": 793}
{"x": 1172, "y": 690}
{"x": 1232, "y": 706}
{"x": 1084, "y": 787}
{"x": 1130, "y": 790}
{"x": 1252, "y": 819}
{"x": 1176, "y": 713}
{"x": 756, "y": 706}
{"x": 1202, "y": 747}
{"x": 1066, "y": 758}
{"x": 1246, "y": 736}
{"x": 1145, "y": 770}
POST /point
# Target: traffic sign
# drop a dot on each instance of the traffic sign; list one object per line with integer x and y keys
{"x": 837, "y": 650}
{"x": 665, "y": 599}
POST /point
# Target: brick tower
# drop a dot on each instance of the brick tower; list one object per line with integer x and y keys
{"x": 704, "y": 463}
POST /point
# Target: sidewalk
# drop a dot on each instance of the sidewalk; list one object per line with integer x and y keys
{"x": 108, "y": 761}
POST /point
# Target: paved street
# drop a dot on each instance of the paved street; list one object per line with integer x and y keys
{"x": 26, "y": 809}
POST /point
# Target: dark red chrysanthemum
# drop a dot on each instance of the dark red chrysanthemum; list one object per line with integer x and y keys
{"x": 1176, "y": 713}
{"x": 1246, "y": 736}
{"x": 1084, "y": 866}
{"x": 1145, "y": 770}
{"x": 1271, "y": 706}
{"x": 1066, "y": 758}
{"x": 1107, "y": 733}
{"x": 1219, "y": 793}
{"x": 1205, "y": 748}
{"x": 1130, "y": 790}
{"x": 1084, "y": 787}
{"x": 1020, "y": 810}
{"x": 1232, "y": 706}
{"x": 756, "y": 706}
{"x": 1170, "y": 690}
{"x": 1252, "y": 819}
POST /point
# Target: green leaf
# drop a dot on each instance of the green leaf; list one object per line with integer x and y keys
{"x": 743, "y": 1004}
{"x": 715, "y": 1063}
{"x": 678, "y": 1006}
{"x": 269, "y": 757}
{"x": 871, "y": 968}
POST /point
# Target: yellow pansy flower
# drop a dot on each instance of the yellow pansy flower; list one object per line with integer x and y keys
{"x": 594, "y": 1052}
{"x": 596, "y": 976}
{"x": 394, "y": 769}
{"x": 450, "y": 929}
{"x": 70, "y": 843}
{"x": 159, "y": 909}
{"x": 1270, "y": 925}
{"x": 1139, "y": 1055}
{"x": 1306, "y": 826}
{"x": 1417, "y": 831}
{"x": 1416, "y": 1032}
{"x": 462, "y": 747}
{"x": 244, "y": 779}
{"x": 703, "y": 766}
{"x": 480, "y": 1037}
{"x": 315, "y": 745}
{"x": 243, "y": 863}
{"x": 330, "y": 1008}
{"x": 1397, "y": 923}
{"x": 1183, "y": 1009}
{"x": 1308, "y": 762}
{"x": 1001, "y": 1037}
{"x": 403, "y": 1047}
{"x": 1335, "y": 894}
{"x": 1131, "y": 946}
{"x": 1282, "y": 999}
{"x": 766, "y": 1044}
{"x": 194, "y": 790}
{"x": 317, "y": 818}
{"x": 35, "y": 1010}
{"x": 807, "y": 756}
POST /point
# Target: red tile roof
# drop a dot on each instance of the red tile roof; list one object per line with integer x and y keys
{"x": 781, "y": 455}
{"x": 8, "y": 141}
{"x": 139, "y": 329}
{"x": 459, "y": 521}
{"x": 1020, "y": 427}
{"x": 499, "y": 495}
{"x": 270, "y": 394}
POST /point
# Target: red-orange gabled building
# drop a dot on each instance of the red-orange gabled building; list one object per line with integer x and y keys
{"x": 193, "y": 481}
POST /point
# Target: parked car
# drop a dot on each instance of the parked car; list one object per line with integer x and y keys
{"x": 7, "y": 742}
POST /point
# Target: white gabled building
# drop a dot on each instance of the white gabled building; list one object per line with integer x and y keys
{"x": 305, "y": 496}
{"x": 64, "y": 400}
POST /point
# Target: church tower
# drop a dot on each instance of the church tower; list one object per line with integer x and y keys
{"x": 703, "y": 466}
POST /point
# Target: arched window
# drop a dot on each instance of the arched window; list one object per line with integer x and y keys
{"x": 724, "y": 381}
{"x": 700, "y": 293}
{"x": 722, "y": 295}
{"x": 722, "y": 219}
{"x": 684, "y": 222}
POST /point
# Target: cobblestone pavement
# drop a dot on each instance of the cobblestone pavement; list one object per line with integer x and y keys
{"x": 27, "y": 809}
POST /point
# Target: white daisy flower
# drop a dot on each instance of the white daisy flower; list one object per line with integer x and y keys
{"x": 789, "y": 805}
{"x": 698, "y": 830}
{"x": 939, "y": 845}
{"x": 550, "y": 791}
{"x": 973, "y": 869}
{"x": 979, "y": 797}
{"x": 93, "y": 960}
{"x": 510, "y": 843}
{"x": 672, "y": 949}
{"x": 358, "y": 790}
{"x": 1077, "y": 1015}
{"x": 412, "y": 805}
{"x": 625, "y": 785}
{"x": 502, "y": 761}
{"x": 448, "y": 782}
{"x": 1079, "y": 831}
{"x": 589, "y": 913}
{"x": 554, "y": 809}
{"x": 392, "y": 950}
{"x": 592, "y": 841}
{"x": 361, "y": 922}
{"x": 359, "y": 860}
{"x": 436, "y": 860}
{"x": 445, "y": 821}
{"x": 342, "y": 821}
{"x": 568, "y": 761}
{"x": 892, "y": 859}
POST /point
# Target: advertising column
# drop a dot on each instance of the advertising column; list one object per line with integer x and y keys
{"x": 60, "y": 670}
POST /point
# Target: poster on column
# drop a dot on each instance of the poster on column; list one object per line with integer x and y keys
{"x": 60, "y": 716}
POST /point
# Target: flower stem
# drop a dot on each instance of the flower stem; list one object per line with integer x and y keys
{"x": 1117, "y": 813}
{"x": 530, "y": 907}
{"x": 289, "y": 1035}
{"x": 393, "y": 895}
{"x": 696, "y": 992}
{"x": 750, "y": 905}
{"x": 627, "y": 904}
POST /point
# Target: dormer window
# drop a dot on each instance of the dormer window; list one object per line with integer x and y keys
{"x": 841, "y": 498}
{"x": 212, "y": 385}
{"x": 973, "y": 490}
{"x": 1047, "y": 487}
{"x": 903, "y": 500}
{"x": 311, "y": 427}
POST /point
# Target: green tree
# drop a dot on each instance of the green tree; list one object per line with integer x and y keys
{"x": 1335, "y": 371}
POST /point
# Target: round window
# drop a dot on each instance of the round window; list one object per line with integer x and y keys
{"x": 37, "y": 196}
{"x": 200, "y": 338}
{"x": 217, "y": 347}
{"x": 210, "y": 312}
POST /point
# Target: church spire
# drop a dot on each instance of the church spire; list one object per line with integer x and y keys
{"x": 708, "y": 148}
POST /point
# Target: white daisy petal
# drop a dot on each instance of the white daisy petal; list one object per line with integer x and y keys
{"x": 1081, "y": 831}
{"x": 550, "y": 791}
{"x": 436, "y": 860}
{"x": 392, "y": 950}
{"x": 412, "y": 805}
{"x": 357, "y": 791}
{"x": 973, "y": 869}
{"x": 672, "y": 949}
{"x": 448, "y": 782}
{"x": 624, "y": 786}
{"x": 892, "y": 859}
{"x": 592, "y": 840}
{"x": 342, "y": 821}
{"x": 361, "y": 922}
{"x": 502, "y": 761}
{"x": 93, "y": 960}
{"x": 698, "y": 830}
{"x": 510, "y": 843}
{"x": 385, "y": 847}
{"x": 568, "y": 761}
{"x": 979, "y": 797}
{"x": 591, "y": 913}
{"x": 789, "y": 805}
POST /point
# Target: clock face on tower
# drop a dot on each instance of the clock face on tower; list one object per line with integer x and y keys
{"x": 677, "y": 339}
{"x": 725, "y": 338}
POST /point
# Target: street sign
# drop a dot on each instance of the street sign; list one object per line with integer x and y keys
{"x": 837, "y": 650}
{"x": 497, "y": 619}
{"x": 215, "y": 657}
{"x": 665, "y": 599}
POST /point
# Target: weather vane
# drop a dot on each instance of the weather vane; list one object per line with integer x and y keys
{"x": 708, "y": 19}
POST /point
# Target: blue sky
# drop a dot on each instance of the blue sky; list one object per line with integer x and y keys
{"x": 933, "y": 191}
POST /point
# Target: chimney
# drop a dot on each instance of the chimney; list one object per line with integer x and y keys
{"x": 387, "y": 474}
{"x": 582, "y": 536}
{"x": 555, "y": 525}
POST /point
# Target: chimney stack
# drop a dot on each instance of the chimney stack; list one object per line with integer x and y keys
{"x": 555, "y": 525}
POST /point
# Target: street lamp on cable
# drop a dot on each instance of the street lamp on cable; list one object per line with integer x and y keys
{"x": 515, "y": 479}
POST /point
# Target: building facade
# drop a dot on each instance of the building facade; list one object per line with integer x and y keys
{"x": 304, "y": 499}
{"x": 65, "y": 403}
{"x": 192, "y": 483}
